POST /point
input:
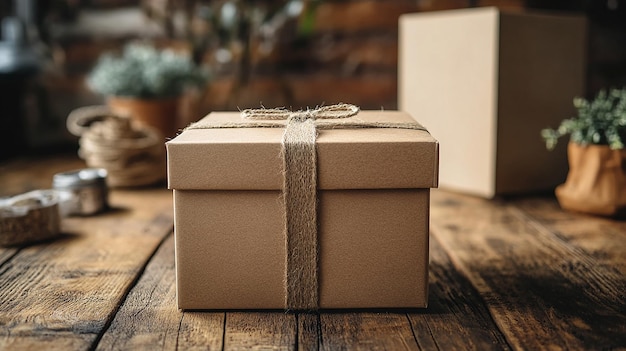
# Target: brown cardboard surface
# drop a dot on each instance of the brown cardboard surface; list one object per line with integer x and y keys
{"x": 485, "y": 82}
{"x": 373, "y": 248}
{"x": 373, "y": 203}
{"x": 230, "y": 249}
{"x": 553, "y": 53}
{"x": 248, "y": 158}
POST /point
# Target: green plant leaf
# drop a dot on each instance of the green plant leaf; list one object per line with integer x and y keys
{"x": 600, "y": 121}
{"x": 145, "y": 72}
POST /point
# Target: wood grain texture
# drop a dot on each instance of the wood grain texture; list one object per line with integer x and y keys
{"x": 149, "y": 316}
{"x": 456, "y": 318}
{"x": 543, "y": 292}
{"x": 308, "y": 331}
{"x": 69, "y": 288}
{"x": 6, "y": 253}
{"x": 366, "y": 331}
{"x": 599, "y": 237}
{"x": 61, "y": 294}
{"x": 201, "y": 331}
{"x": 260, "y": 331}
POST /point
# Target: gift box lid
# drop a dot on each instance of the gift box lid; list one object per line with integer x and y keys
{"x": 249, "y": 158}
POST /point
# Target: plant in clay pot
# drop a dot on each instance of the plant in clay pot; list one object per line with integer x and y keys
{"x": 146, "y": 83}
{"x": 596, "y": 182}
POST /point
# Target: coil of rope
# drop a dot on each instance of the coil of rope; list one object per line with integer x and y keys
{"x": 133, "y": 155}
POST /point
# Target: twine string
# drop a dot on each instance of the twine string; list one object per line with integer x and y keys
{"x": 300, "y": 197}
{"x": 325, "y": 112}
{"x": 300, "y": 214}
{"x": 132, "y": 155}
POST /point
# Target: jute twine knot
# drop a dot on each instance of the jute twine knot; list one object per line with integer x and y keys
{"x": 133, "y": 155}
{"x": 324, "y": 112}
{"x": 299, "y": 192}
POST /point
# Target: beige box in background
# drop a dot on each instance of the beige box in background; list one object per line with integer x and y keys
{"x": 373, "y": 215}
{"x": 485, "y": 83}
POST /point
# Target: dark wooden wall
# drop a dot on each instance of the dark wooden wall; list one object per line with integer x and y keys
{"x": 350, "y": 56}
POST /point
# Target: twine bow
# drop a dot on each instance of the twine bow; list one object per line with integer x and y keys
{"x": 324, "y": 112}
{"x": 299, "y": 157}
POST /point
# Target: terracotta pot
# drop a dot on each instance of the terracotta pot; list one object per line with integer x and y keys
{"x": 162, "y": 114}
{"x": 596, "y": 182}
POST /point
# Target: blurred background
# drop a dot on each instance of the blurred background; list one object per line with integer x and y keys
{"x": 293, "y": 53}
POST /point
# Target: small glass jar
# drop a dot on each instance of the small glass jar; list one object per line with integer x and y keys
{"x": 88, "y": 189}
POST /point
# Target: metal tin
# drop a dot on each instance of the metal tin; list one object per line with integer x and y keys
{"x": 88, "y": 188}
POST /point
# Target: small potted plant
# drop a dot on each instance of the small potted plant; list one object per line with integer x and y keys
{"x": 596, "y": 182}
{"x": 146, "y": 83}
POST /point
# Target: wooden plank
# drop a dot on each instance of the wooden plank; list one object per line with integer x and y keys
{"x": 25, "y": 174}
{"x": 70, "y": 288}
{"x": 543, "y": 292}
{"x": 201, "y": 331}
{"x": 456, "y": 317}
{"x": 308, "y": 331}
{"x": 61, "y": 294}
{"x": 59, "y": 340}
{"x": 359, "y": 16}
{"x": 366, "y": 331}
{"x": 602, "y": 238}
{"x": 260, "y": 331}
{"x": 149, "y": 317}
{"x": 441, "y": 5}
{"x": 6, "y": 253}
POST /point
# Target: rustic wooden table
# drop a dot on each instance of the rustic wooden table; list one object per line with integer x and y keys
{"x": 507, "y": 274}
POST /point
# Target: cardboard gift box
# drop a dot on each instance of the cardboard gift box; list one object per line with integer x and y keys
{"x": 486, "y": 82}
{"x": 373, "y": 187}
